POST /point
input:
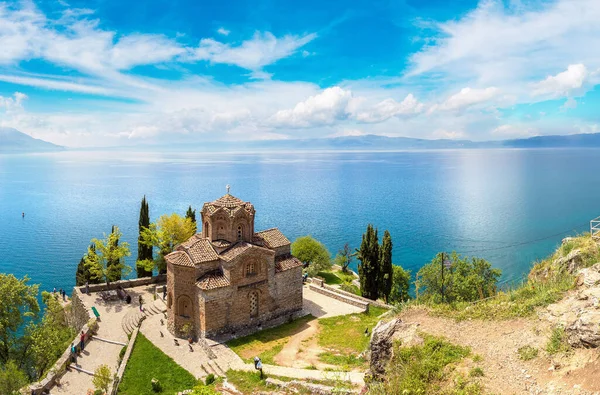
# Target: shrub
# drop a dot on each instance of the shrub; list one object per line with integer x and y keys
{"x": 156, "y": 386}
{"x": 209, "y": 379}
{"x": 557, "y": 343}
{"x": 122, "y": 353}
{"x": 102, "y": 378}
{"x": 476, "y": 372}
{"x": 527, "y": 353}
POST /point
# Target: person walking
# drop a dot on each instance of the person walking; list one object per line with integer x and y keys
{"x": 141, "y": 301}
{"x": 64, "y": 295}
{"x": 87, "y": 288}
{"x": 164, "y": 292}
{"x": 82, "y": 340}
{"x": 73, "y": 353}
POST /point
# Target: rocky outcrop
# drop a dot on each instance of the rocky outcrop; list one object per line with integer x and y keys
{"x": 383, "y": 337}
{"x": 572, "y": 262}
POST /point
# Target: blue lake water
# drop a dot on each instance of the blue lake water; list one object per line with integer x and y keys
{"x": 508, "y": 206}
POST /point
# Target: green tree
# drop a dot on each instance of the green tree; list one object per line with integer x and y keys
{"x": 384, "y": 277}
{"x": 191, "y": 214}
{"x": 18, "y": 305}
{"x": 312, "y": 253}
{"x": 48, "y": 338}
{"x": 368, "y": 268}
{"x": 12, "y": 379}
{"x": 83, "y": 274}
{"x": 102, "y": 378}
{"x": 144, "y": 251}
{"x": 400, "y": 285}
{"x": 168, "y": 232}
{"x": 107, "y": 261}
{"x": 344, "y": 258}
{"x": 466, "y": 280}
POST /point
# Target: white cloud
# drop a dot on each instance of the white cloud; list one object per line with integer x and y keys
{"x": 347, "y": 133}
{"x": 12, "y": 104}
{"x": 563, "y": 83}
{"x": 468, "y": 97}
{"x": 389, "y": 108}
{"x": 262, "y": 50}
{"x": 50, "y": 83}
{"x": 224, "y": 32}
{"x": 514, "y": 131}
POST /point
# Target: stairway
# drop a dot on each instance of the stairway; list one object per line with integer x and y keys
{"x": 132, "y": 319}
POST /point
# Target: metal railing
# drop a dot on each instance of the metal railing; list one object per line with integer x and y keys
{"x": 595, "y": 228}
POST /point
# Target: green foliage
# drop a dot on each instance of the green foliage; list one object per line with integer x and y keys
{"x": 148, "y": 362}
{"x": 168, "y": 232}
{"x": 48, "y": 338}
{"x": 122, "y": 353}
{"x": 102, "y": 378}
{"x": 353, "y": 289}
{"x": 106, "y": 260}
{"x": 368, "y": 268}
{"x": 204, "y": 390}
{"x": 11, "y": 378}
{"x": 18, "y": 305}
{"x": 83, "y": 274}
{"x": 144, "y": 251}
{"x": 527, "y": 353}
{"x": 385, "y": 276}
{"x": 466, "y": 280}
{"x": 557, "y": 343}
{"x": 209, "y": 379}
{"x": 345, "y": 361}
{"x": 421, "y": 369}
{"x": 191, "y": 214}
{"x": 400, "y": 285}
{"x": 344, "y": 258}
{"x": 476, "y": 372}
{"x": 313, "y": 253}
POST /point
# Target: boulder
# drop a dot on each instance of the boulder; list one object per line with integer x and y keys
{"x": 572, "y": 262}
{"x": 384, "y": 335}
{"x": 589, "y": 277}
{"x": 584, "y": 332}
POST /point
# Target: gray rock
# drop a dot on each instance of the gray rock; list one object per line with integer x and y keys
{"x": 585, "y": 331}
{"x": 589, "y": 277}
{"x": 384, "y": 335}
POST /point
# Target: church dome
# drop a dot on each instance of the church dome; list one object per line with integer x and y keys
{"x": 228, "y": 202}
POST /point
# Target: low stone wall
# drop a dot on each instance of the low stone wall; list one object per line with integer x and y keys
{"x": 342, "y": 298}
{"x": 78, "y": 314}
{"x": 134, "y": 282}
{"x": 354, "y": 296}
{"x": 119, "y": 376}
{"x": 59, "y": 368}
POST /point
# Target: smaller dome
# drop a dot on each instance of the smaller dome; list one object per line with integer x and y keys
{"x": 228, "y": 202}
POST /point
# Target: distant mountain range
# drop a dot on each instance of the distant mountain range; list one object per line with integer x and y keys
{"x": 13, "y": 142}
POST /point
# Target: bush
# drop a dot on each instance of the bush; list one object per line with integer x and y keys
{"x": 122, "y": 353}
{"x": 466, "y": 280}
{"x": 557, "y": 343}
{"x": 209, "y": 379}
{"x": 102, "y": 378}
{"x": 476, "y": 372}
{"x": 527, "y": 353}
{"x": 156, "y": 385}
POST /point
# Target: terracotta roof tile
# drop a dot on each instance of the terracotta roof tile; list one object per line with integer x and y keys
{"x": 199, "y": 249}
{"x": 179, "y": 258}
{"x": 221, "y": 243}
{"x": 228, "y": 202}
{"x": 236, "y": 250}
{"x": 212, "y": 280}
{"x": 286, "y": 262}
{"x": 271, "y": 238}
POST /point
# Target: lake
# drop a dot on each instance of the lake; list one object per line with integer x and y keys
{"x": 508, "y": 206}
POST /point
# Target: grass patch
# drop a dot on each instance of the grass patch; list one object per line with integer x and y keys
{"x": 269, "y": 342}
{"x": 251, "y": 383}
{"x": 344, "y": 361}
{"x": 148, "y": 362}
{"x": 527, "y": 353}
{"x": 353, "y": 289}
{"x": 336, "y": 277}
{"x": 476, "y": 372}
{"x": 422, "y": 369}
{"x": 346, "y": 334}
{"x": 557, "y": 343}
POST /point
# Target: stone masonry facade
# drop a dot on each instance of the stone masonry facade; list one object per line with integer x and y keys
{"x": 229, "y": 278}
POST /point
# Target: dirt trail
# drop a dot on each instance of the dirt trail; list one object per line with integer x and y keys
{"x": 498, "y": 341}
{"x": 302, "y": 349}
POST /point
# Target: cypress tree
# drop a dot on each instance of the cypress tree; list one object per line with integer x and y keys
{"x": 83, "y": 273}
{"x": 386, "y": 269}
{"x": 115, "y": 274}
{"x": 368, "y": 269}
{"x": 144, "y": 251}
{"x": 191, "y": 214}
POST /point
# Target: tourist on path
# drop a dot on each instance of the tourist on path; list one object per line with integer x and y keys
{"x": 82, "y": 340}
{"x": 73, "y": 353}
{"x": 141, "y": 301}
{"x": 164, "y": 292}
{"x": 87, "y": 288}
{"x": 64, "y": 295}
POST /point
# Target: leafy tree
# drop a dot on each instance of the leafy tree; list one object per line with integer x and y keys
{"x": 168, "y": 232}
{"x": 102, "y": 378}
{"x": 368, "y": 268}
{"x": 48, "y": 338}
{"x": 12, "y": 379}
{"x": 466, "y": 280}
{"x": 385, "y": 266}
{"x": 344, "y": 258}
{"x": 83, "y": 274}
{"x": 400, "y": 285}
{"x": 107, "y": 261}
{"x": 144, "y": 251}
{"x": 191, "y": 214}
{"x": 18, "y": 304}
{"x": 312, "y": 253}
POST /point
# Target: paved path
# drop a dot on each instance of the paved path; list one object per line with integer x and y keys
{"x": 322, "y": 306}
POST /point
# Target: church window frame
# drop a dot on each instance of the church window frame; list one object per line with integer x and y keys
{"x": 206, "y": 229}
{"x": 254, "y": 303}
{"x": 240, "y": 232}
{"x": 181, "y": 306}
{"x": 251, "y": 269}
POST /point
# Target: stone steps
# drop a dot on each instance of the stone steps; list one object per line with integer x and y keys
{"x": 132, "y": 319}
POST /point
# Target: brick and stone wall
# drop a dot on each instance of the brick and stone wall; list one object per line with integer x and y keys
{"x": 77, "y": 314}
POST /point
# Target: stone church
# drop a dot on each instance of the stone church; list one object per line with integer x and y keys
{"x": 229, "y": 278}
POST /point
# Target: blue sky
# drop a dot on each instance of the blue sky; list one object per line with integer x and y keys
{"x": 106, "y": 72}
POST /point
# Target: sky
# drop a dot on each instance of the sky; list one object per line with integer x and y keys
{"x": 101, "y": 73}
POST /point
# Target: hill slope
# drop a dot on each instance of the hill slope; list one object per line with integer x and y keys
{"x": 12, "y": 141}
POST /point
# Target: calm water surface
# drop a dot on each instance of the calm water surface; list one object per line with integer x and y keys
{"x": 509, "y": 206}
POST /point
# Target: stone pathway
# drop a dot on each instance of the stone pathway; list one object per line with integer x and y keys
{"x": 322, "y": 306}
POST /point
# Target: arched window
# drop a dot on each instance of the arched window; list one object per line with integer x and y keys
{"x": 184, "y": 306}
{"x": 240, "y": 233}
{"x": 206, "y": 229}
{"x": 253, "y": 304}
{"x": 250, "y": 269}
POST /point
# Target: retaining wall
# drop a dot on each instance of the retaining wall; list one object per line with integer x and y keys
{"x": 134, "y": 282}
{"x": 340, "y": 297}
